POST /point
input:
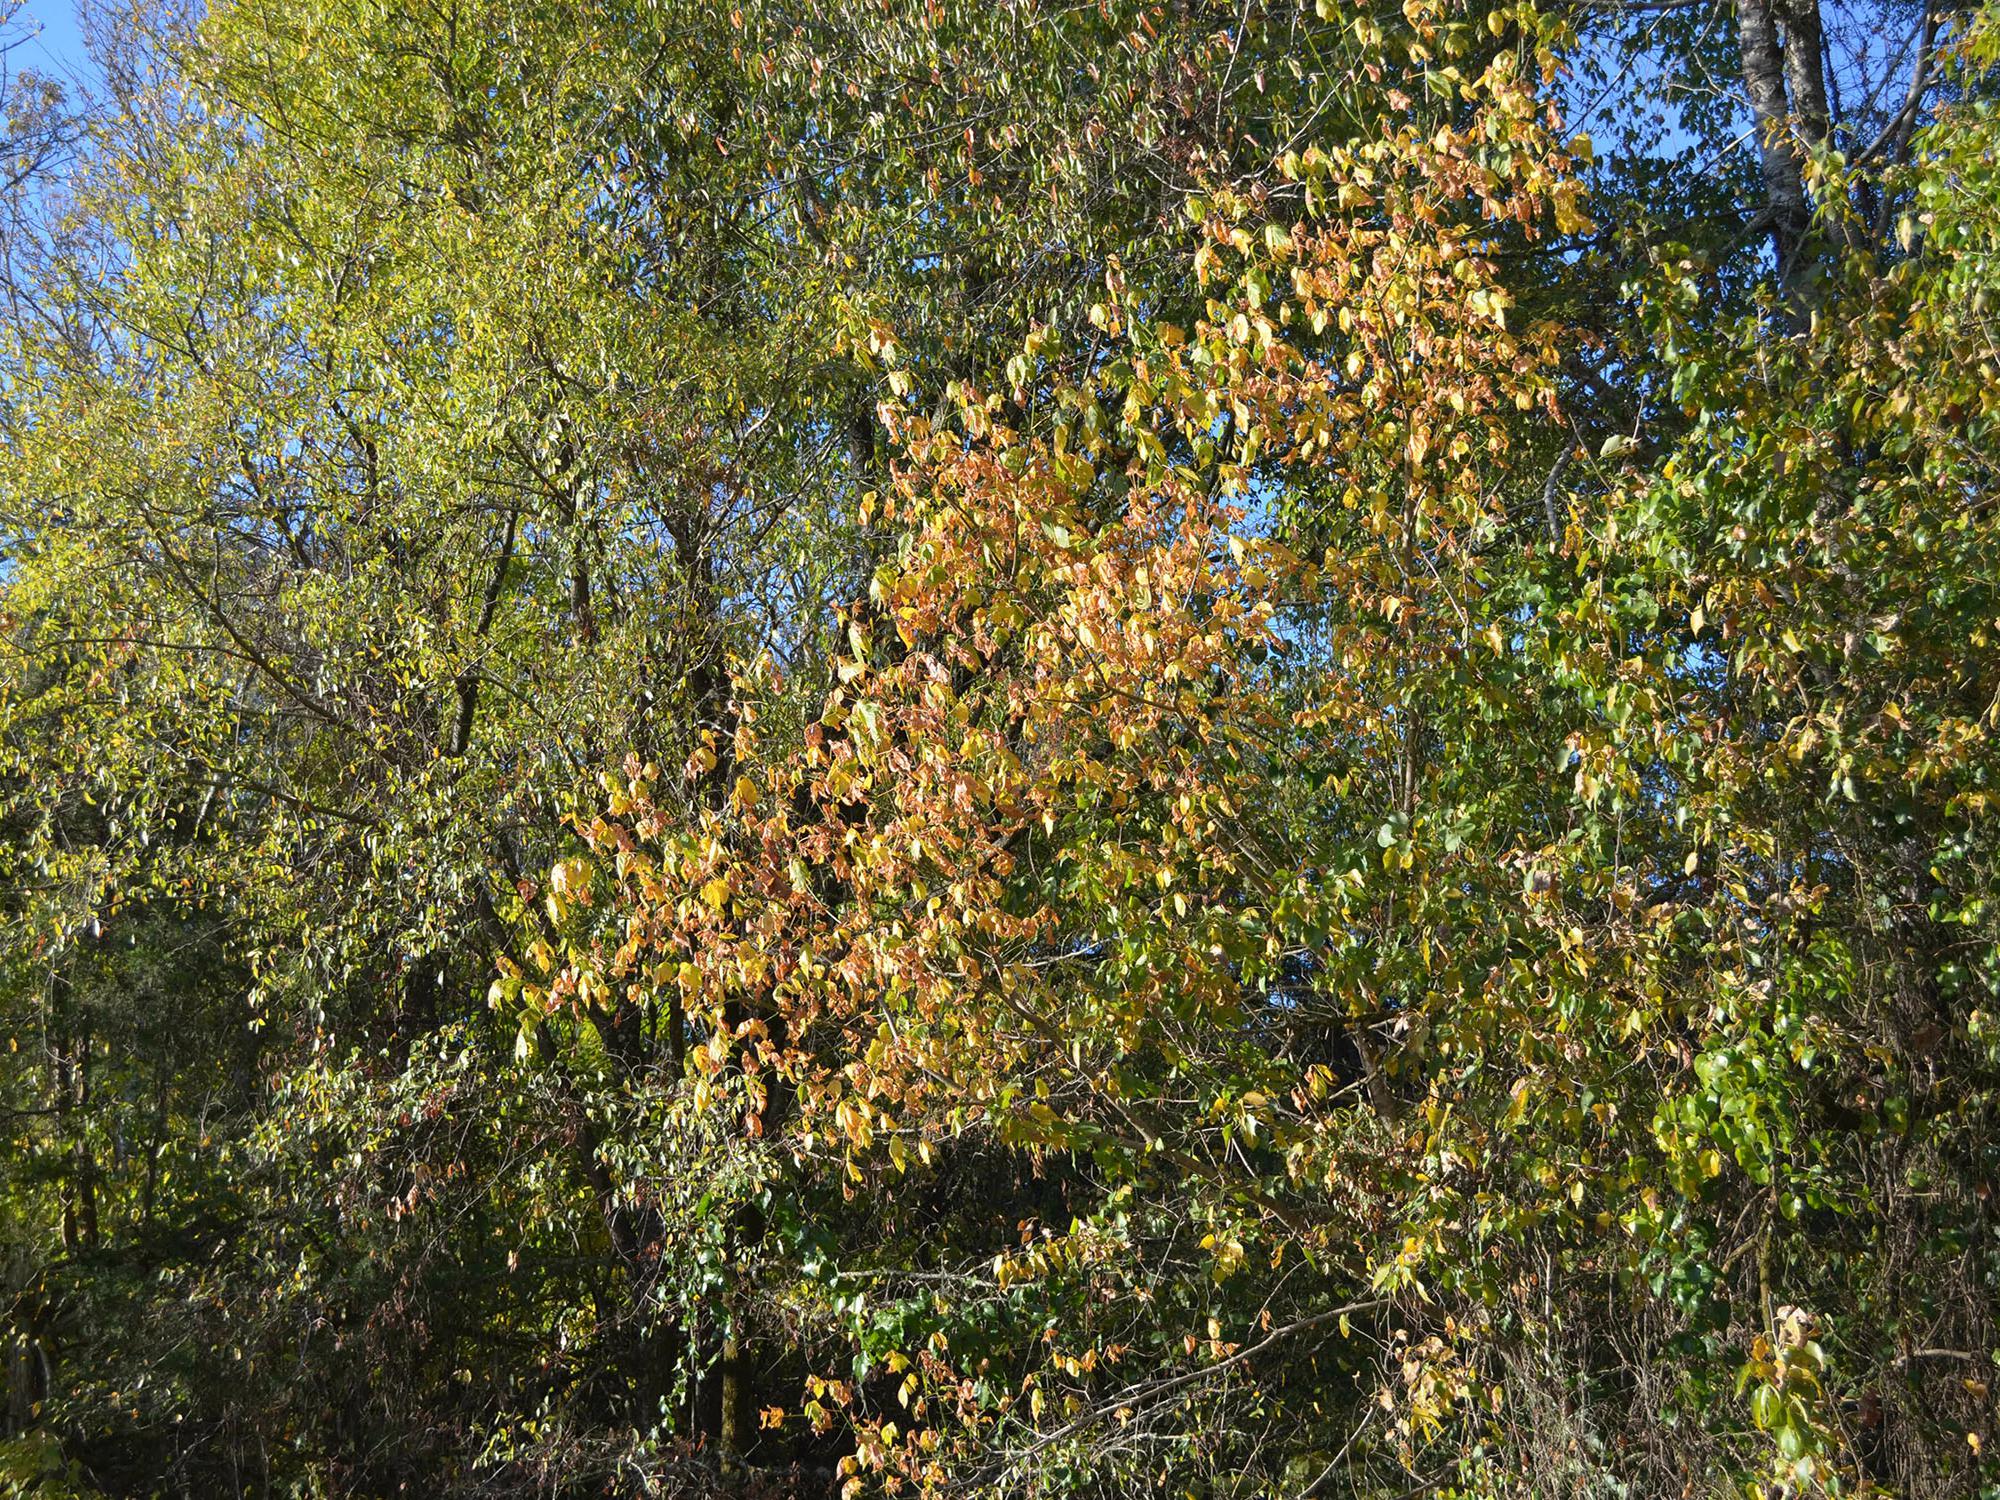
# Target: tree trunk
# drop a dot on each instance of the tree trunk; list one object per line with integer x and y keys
{"x": 734, "y": 1425}
{"x": 1805, "y": 73}
{"x": 1763, "y": 62}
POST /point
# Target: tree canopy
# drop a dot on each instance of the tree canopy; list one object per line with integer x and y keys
{"x": 1031, "y": 749}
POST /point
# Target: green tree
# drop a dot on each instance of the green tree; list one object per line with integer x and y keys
{"x": 1049, "y": 749}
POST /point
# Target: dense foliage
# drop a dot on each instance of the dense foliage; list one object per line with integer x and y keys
{"x": 1137, "y": 747}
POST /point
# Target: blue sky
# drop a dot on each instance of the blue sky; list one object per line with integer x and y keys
{"x": 54, "y": 42}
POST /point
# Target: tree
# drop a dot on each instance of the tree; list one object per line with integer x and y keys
{"x": 1017, "y": 749}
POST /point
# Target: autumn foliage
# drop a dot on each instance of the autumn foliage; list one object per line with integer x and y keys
{"x": 1016, "y": 751}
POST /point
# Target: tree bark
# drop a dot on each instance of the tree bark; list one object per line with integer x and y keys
{"x": 733, "y": 1427}
{"x": 1763, "y": 63}
{"x": 1805, "y": 74}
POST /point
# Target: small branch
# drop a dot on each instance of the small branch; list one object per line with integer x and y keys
{"x": 1914, "y": 1355}
{"x": 468, "y": 680}
{"x": 1896, "y": 131}
{"x": 1549, "y": 499}
{"x": 1167, "y": 1387}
